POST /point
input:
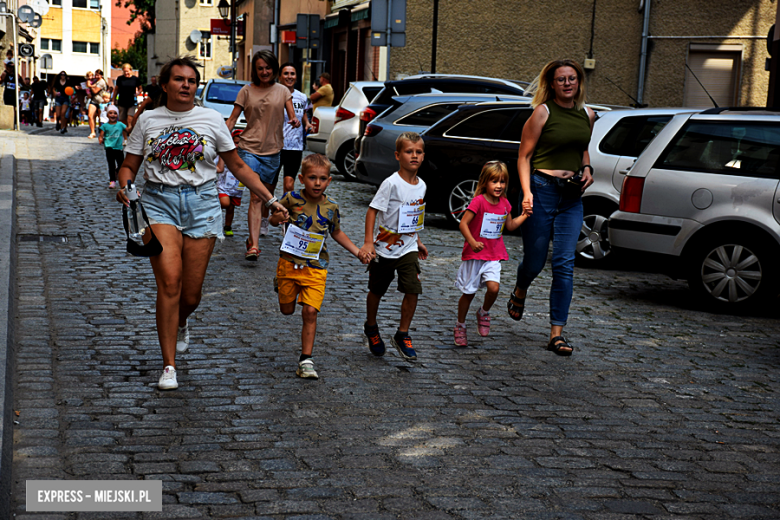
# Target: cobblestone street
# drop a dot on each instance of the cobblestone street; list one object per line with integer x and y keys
{"x": 663, "y": 411}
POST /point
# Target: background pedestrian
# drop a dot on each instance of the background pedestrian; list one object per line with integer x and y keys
{"x": 263, "y": 102}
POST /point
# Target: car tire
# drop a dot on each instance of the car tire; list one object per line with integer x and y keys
{"x": 458, "y": 198}
{"x": 733, "y": 271}
{"x": 593, "y": 246}
{"x": 345, "y": 160}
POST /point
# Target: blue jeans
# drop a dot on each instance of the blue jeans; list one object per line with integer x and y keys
{"x": 558, "y": 218}
{"x": 265, "y": 166}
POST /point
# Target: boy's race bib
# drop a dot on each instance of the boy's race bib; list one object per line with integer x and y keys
{"x": 411, "y": 219}
{"x": 492, "y": 225}
{"x": 302, "y": 244}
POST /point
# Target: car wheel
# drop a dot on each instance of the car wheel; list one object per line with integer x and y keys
{"x": 593, "y": 247}
{"x": 458, "y": 198}
{"x": 733, "y": 271}
{"x": 345, "y": 160}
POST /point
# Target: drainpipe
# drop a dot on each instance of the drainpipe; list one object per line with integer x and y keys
{"x": 278, "y": 45}
{"x": 643, "y": 56}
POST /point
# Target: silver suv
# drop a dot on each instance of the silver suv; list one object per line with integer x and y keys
{"x": 704, "y": 193}
{"x": 619, "y": 136}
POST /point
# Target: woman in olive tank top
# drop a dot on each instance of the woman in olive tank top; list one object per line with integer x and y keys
{"x": 553, "y": 151}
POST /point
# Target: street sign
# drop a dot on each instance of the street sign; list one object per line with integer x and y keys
{"x": 26, "y": 50}
{"x": 397, "y": 23}
{"x": 307, "y": 31}
{"x": 220, "y": 27}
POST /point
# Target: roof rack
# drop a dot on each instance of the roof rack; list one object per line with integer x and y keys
{"x": 719, "y": 110}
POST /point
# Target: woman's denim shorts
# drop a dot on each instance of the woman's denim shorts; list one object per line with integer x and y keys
{"x": 266, "y": 166}
{"x": 194, "y": 210}
{"x": 60, "y": 101}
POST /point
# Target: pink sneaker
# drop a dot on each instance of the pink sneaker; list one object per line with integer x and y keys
{"x": 483, "y": 323}
{"x": 460, "y": 336}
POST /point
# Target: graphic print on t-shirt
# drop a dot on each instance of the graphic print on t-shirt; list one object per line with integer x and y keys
{"x": 389, "y": 238}
{"x": 177, "y": 148}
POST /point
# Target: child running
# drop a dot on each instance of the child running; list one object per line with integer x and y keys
{"x": 229, "y": 190}
{"x": 303, "y": 264}
{"x": 399, "y": 211}
{"x": 112, "y": 137}
{"x": 485, "y": 218}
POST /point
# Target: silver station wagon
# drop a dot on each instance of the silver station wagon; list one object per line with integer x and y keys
{"x": 704, "y": 193}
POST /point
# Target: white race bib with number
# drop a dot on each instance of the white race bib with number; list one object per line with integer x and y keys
{"x": 411, "y": 219}
{"x": 302, "y": 244}
{"x": 492, "y": 225}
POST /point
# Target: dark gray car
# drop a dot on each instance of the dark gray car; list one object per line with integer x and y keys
{"x": 416, "y": 113}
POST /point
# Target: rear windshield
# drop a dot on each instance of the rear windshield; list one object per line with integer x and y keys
{"x": 740, "y": 149}
{"x": 371, "y": 92}
{"x": 224, "y": 93}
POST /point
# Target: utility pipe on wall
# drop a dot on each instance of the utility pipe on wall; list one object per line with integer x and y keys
{"x": 640, "y": 92}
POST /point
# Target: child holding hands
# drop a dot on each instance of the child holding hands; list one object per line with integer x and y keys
{"x": 482, "y": 226}
{"x": 398, "y": 211}
{"x": 303, "y": 264}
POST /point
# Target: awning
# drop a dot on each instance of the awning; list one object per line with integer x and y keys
{"x": 361, "y": 12}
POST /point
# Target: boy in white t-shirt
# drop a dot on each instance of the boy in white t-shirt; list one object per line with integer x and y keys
{"x": 398, "y": 208}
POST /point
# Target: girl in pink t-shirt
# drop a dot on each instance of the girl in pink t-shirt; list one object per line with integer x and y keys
{"x": 486, "y": 217}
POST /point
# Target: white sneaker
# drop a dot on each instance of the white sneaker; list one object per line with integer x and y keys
{"x": 183, "y": 338}
{"x": 264, "y": 227}
{"x": 306, "y": 369}
{"x": 168, "y": 379}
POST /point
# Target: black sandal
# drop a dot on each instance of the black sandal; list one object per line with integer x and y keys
{"x": 558, "y": 345}
{"x": 515, "y": 304}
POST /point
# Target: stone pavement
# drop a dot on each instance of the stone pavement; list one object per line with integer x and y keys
{"x": 663, "y": 411}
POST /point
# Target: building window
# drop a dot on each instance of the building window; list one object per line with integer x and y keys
{"x": 55, "y": 2}
{"x": 205, "y": 46}
{"x": 207, "y": 2}
{"x": 94, "y": 4}
{"x": 86, "y": 47}
{"x": 80, "y": 3}
{"x": 53, "y": 45}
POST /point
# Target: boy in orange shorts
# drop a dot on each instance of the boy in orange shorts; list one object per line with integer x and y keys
{"x": 303, "y": 264}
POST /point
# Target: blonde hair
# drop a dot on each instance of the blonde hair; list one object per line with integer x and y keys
{"x": 492, "y": 170}
{"x": 541, "y": 87}
{"x": 315, "y": 160}
{"x": 412, "y": 137}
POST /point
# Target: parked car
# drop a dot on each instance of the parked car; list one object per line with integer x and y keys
{"x": 220, "y": 94}
{"x": 322, "y": 122}
{"x": 376, "y": 160}
{"x": 459, "y": 145}
{"x": 704, "y": 195}
{"x": 619, "y": 136}
{"x": 436, "y": 84}
{"x": 340, "y": 147}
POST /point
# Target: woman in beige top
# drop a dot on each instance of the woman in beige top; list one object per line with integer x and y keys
{"x": 263, "y": 102}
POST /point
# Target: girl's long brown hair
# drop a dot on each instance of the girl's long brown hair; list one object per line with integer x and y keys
{"x": 490, "y": 171}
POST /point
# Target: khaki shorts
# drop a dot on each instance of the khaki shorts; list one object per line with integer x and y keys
{"x": 308, "y": 283}
{"x": 381, "y": 273}
{"x": 124, "y": 112}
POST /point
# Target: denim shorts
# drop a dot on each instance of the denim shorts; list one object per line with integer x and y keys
{"x": 194, "y": 210}
{"x": 38, "y": 104}
{"x": 60, "y": 101}
{"x": 266, "y": 166}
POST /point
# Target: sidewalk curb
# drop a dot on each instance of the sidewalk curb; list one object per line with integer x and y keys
{"x": 7, "y": 314}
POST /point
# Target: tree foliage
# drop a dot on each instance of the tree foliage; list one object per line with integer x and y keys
{"x": 135, "y": 55}
{"x": 140, "y": 9}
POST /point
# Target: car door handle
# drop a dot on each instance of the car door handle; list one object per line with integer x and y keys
{"x": 623, "y": 172}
